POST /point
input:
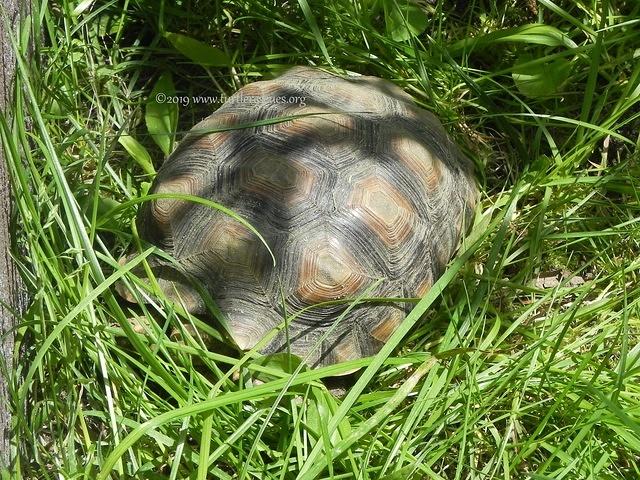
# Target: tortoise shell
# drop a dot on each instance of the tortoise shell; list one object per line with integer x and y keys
{"x": 348, "y": 181}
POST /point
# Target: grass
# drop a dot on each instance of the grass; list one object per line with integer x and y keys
{"x": 522, "y": 362}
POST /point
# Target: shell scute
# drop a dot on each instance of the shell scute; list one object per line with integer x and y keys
{"x": 327, "y": 271}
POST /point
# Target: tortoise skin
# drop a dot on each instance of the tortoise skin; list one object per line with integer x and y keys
{"x": 358, "y": 184}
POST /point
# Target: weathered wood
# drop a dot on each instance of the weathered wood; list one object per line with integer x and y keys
{"x": 11, "y": 289}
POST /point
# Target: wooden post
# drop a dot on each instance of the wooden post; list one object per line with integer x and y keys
{"x": 11, "y": 287}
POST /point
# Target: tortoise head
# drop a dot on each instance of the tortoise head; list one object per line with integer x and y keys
{"x": 171, "y": 283}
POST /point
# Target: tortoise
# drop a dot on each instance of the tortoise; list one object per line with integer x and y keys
{"x": 355, "y": 189}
